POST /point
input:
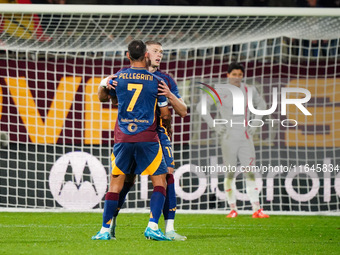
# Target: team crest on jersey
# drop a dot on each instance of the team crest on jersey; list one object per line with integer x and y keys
{"x": 132, "y": 127}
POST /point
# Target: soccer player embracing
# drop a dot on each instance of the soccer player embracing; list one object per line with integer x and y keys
{"x": 136, "y": 139}
{"x": 170, "y": 90}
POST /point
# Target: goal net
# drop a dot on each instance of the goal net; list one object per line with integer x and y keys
{"x": 56, "y": 137}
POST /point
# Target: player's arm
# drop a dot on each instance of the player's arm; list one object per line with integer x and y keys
{"x": 163, "y": 104}
{"x": 166, "y": 123}
{"x": 164, "y": 109}
{"x": 165, "y": 113}
{"x": 104, "y": 94}
{"x": 177, "y": 103}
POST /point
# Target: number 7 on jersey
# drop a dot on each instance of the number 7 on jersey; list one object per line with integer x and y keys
{"x": 138, "y": 88}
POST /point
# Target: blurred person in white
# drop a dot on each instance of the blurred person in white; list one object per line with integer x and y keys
{"x": 237, "y": 139}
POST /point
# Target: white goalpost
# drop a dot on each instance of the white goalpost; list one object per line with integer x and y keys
{"x": 56, "y": 137}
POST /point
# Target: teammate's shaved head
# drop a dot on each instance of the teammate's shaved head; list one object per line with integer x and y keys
{"x": 137, "y": 50}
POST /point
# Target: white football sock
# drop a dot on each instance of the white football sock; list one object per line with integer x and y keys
{"x": 256, "y": 206}
{"x": 153, "y": 225}
{"x": 233, "y": 207}
{"x": 104, "y": 230}
{"x": 230, "y": 187}
{"x": 253, "y": 193}
{"x": 169, "y": 225}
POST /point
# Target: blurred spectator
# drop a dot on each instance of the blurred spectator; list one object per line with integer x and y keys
{"x": 26, "y": 26}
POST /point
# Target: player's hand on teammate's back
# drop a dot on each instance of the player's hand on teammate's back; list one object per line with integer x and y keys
{"x": 164, "y": 89}
{"x": 110, "y": 82}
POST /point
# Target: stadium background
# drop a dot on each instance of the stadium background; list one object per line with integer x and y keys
{"x": 33, "y": 167}
{"x": 49, "y": 106}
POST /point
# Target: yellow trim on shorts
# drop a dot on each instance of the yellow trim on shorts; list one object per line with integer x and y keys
{"x": 165, "y": 131}
{"x": 152, "y": 168}
{"x": 154, "y": 111}
{"x": 115, "y": 169}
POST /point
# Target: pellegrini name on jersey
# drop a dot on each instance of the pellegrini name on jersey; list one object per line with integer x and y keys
{"x": 135, "y": 76}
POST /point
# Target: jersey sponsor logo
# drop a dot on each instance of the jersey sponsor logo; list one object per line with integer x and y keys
{"x": 78, "y": 180}
{"x": 134, "y": 120}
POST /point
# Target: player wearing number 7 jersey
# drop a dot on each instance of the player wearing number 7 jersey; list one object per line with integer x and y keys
{"x": 170, "y": 90}
{"x": 136, "y": 139}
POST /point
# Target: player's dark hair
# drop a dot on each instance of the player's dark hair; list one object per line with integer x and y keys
{"x": 148, "y": 43}
{"x": 235, "y": 66}
{"x": 137, "y": 50}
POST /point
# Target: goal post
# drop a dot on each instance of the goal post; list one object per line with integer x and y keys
{"x": 56, "y": 137}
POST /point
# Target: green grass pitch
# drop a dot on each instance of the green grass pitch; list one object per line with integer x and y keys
{"x": 70, "y": 233}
